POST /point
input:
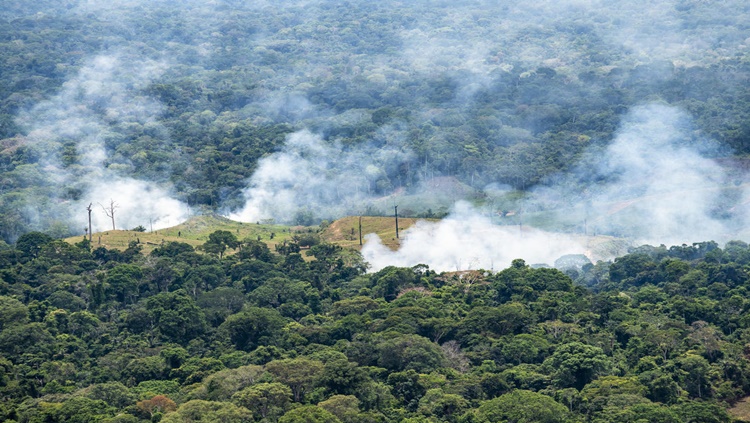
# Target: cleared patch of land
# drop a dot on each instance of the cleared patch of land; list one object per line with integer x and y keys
{"x": 741, "y": 410}
{"x": 345, "y": 231}
{"x": 195, "y": 232}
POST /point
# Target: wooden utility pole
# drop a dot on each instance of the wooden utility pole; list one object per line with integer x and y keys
{"x": 396, "y": 214}
{"x": 89, "y": 210}
{"x": 360, "y": 231}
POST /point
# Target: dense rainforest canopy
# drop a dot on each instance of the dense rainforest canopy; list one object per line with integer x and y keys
{"x": 658, "y": 335}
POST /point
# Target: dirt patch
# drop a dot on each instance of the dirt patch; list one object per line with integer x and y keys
{"x": 741, "y": 410}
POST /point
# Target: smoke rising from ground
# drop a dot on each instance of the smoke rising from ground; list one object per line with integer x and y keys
{"x": 71, "y": 132}
{"x": 655, "y": 183}
{"x": 310, "y": 175}
{"x": 467, "y": 240}
{"x": 650, "y": 185}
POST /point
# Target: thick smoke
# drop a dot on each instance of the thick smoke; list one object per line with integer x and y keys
{"x": 71, "y": 132}
{"x": 313, "y": 177}
{"x": 652, "y": 184}
{"x": 467, "y": 240}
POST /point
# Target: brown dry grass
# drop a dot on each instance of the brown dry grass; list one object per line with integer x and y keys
{"x": 741, "y": 410}
{"x": 345, "y": 231}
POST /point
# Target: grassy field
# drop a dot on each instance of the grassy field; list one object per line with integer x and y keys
{"x": 741, "y": 410}
{"x": 194, "y": 232}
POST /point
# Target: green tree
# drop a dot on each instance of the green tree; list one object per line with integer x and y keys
{"x": 300, "y": 374}
{"x": 76, "y": 409}
{"x": 269, "y": 399}
{"x": 308, "y": 414}
{"x": 200, "y": 411}
{"x": 597, "y": 395}
{"x": 695, "y": 375}
{"x": 220, "y": 303}
{"x": 157, "y": 405}
{"x": 12, "y": 312}
{"x": 406, "y": 386}
{"x": 176, "y": 316}
{"x": 253, "y": 327}
{"x": 219, "y": 241}
{"x": 123, "y": 281}
{"x": 222, "y": 385}
{"x": 344, "y": 407}
{"x": 113, "y": 393}
{"x": 522, "y": 407}
{"x": 575, "y": 364}
{"x": 409, "y": 352}
{"x": 341, "y": 376}
{"x": 618, "y": 411}
{"x": 447, "y": 407}
{"x": 31, "y": 243}
{"x": 701, "y": 412}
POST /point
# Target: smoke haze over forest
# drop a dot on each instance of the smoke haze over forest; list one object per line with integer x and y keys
{"x": 576, "y": 117}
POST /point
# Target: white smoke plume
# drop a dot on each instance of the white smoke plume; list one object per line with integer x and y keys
{"x": 652, "y": 184}
{"x": 658, "y": 185}
{"x": 315, "y": 176}
{"x": 104, "y": 94}
{"x": 466, "y": 240}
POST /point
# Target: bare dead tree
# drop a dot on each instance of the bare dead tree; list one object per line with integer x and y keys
{"x": 110, "y": 211}
{"x": 89, "y": 210}
{"x": 395, "y": 213}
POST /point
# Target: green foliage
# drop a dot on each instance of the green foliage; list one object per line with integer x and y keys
{"x": 219, "y": 241}
{"x": 270, "y": 400}
{"x": 176, "y": 316}
{"x": 209, "y": 411}
{"x": 300, "y": 374}
{"x": 253, "y": 327}
{"x": 576, "y": 364}
{"x": 406, "y": 352}
{"x": 225, "y": 384}
{"x": 113, "y": 393}
{"x": 265, "y": 340}
{"x": 31, "y": 243}
{"x": 309, "y": 414}
{"x": 522, "y": 406}
{"x": 12, "y": 312}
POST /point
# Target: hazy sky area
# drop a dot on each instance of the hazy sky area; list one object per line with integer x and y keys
{"x": 653, "y": 179}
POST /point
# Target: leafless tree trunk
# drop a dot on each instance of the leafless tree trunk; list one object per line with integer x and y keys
{"x": 110, "y": 211}
{"x": 89, "y": 210}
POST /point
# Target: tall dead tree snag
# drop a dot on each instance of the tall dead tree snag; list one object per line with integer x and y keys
{"x": 110, "y": 211}
{"x": 395, "y": 213}
{"x": 89, "y": 210}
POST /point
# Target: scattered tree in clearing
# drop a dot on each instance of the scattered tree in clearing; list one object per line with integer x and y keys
{"x": 219, "y": 241}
